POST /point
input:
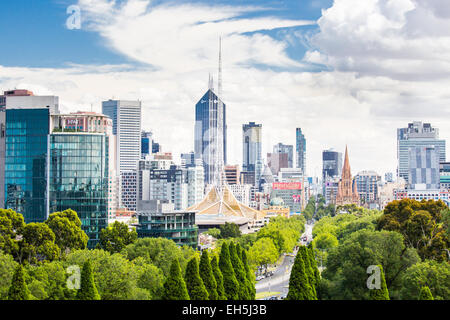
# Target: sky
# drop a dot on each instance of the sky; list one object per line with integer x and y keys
{"x": 348, "y": 72}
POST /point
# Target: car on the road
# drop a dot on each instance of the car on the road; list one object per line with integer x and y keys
{"x": 273, "y": 298}
{"x": 258, "y": 278}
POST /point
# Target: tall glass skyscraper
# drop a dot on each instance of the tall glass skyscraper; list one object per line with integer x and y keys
{"x": 301, "y": 150}
{"x": 127, "y": 123}
{"x": 206, "y": 133}
{"x": 417, "y": 134}
{"x": 26, "y": 162}
{"x": 79, "y": 168}
{"x": 332, "y": 164}
{"x": 26, "y": 126}
{"x": 252, "y": 146}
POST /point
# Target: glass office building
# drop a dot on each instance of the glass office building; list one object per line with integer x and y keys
{"x": 416, "y": 135}
{"x": 207, "y": 135}
{"x": 158, "y": 219}
{"x": 78, "y": 179}
{"x": 300, "y": 143}
{"x": 26, "y": 148}
{"x": 331, "y": 164}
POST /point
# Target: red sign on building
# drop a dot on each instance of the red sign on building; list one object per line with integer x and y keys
{"x": 287, "y": 186}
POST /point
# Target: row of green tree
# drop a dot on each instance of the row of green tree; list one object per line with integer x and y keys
{"x": 264, "y": 247}
{"x": 409, "y": 240}
{"x": 227, "y": 278}
{"x": 316, "y": 208}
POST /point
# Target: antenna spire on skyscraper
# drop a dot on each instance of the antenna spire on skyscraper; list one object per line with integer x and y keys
{"x": 219, "y": 89}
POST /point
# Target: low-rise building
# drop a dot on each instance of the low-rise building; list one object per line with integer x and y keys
{"x": 158, "y": 219}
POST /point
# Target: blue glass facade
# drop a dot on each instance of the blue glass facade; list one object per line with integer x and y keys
{"x": 301, "y": 149}
{"x": 206, "y": 120}
{"x": 145, "y": 145}
{"x": 79, "y": 179}
{"x": 26, "y": 162}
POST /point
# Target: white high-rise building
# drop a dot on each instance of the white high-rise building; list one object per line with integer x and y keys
{"x": 127, "y": 123}
{"x": 416, "y": 135}
{"x": 196, "y": 183}
{"x": 242, "y": 192}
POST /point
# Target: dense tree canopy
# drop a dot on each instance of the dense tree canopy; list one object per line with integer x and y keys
{"x": 116, "y": 237}
{"x": 229, "y": 230}
{"x": 158, "y": 251}
{"x": 7, "y": 269}
{"x": 347, "y": 264}
{"x": 420, "y": 223}
{"x": 435, "y": 275}
{"x": 67, "y": 229}
{"x": 263, "y": 252}
{"x": 18, "y": 289}
{"x": 37, "y": 244}
{"x": 88, "y": 289}
{"x": 11, "y": 226}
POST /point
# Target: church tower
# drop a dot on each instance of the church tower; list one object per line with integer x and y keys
{"x": 347, "y": 190}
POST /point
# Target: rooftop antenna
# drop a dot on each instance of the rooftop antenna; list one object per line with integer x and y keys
{"x": 211, "y": 82}
{"x": 220, "y": 181}
{"x": 219, "y": 91}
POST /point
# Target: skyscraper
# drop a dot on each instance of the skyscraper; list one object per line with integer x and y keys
{"x": 127, "y": 122}
{"x": 332, "y": 164}
{"x": 367, "y": 183}
{"x": 251, "y": 145}
{"x": 284, "y": 148}
{"x": 207, "y": 134}
{"x": 27, "y": 129}
{"x": 417, "y": 134}
{"x": 347, "y": 192}
{"x": 301, "y": 150}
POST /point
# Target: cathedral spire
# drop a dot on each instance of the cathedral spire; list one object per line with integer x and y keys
{"x": 346, "y": 172}
{"x": 347, "y": 188}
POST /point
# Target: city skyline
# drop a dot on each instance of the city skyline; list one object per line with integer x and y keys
{"x": 305, "y": 80}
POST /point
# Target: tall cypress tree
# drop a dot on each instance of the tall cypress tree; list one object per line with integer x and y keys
{"x": 207, "y": 276}
{"x": 316, "y": 272}
{"x": 299, "y": 288}
{"x": 18, "y": 289}
{"x": 194, "y": 283}
{"x": 175, "y": 287}
{"x": 249, "y": 274}
{"x": 88, "y": 290}
{"x": 230, "y": 283}
{"x": 219, "y": 278}
{"x": 239, "y": 272}
{"x": 304, "y": 252}
{"x": 425, "y": 294}
{"x": 382, "y": 293}
{"x": 314, "y": 265}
